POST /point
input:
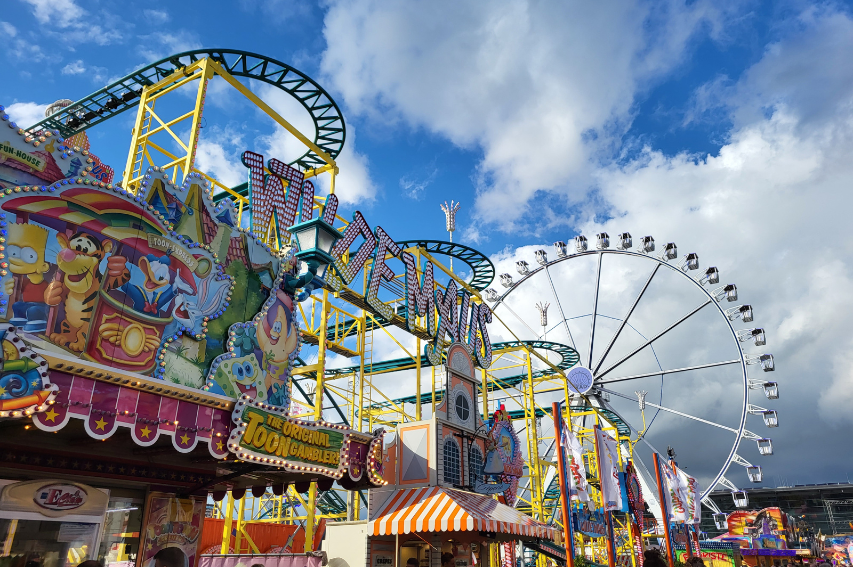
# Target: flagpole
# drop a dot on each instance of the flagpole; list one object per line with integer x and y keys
{"x": 611, "y": 559}
{"x": 665, "y": 513}
{"x": 565, "y": 497}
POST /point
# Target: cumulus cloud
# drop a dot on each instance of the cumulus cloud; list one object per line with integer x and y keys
{"x": 74, "y": 68}
{"x": 353, "y": 185}
{"x": 26, "y": 113}
{"x": 539, "y": 87}
{"x": 156, "y": 16}
{"x": 75, "y": 23}
{"x": 770, "y": 211}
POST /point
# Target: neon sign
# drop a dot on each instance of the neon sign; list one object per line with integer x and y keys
{"x": 280, "y": 193}
{"x": 460, "y": 321}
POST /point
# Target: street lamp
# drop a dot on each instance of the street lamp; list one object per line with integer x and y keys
{"x": 316, "y": 238}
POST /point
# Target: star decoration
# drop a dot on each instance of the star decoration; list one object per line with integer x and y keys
{"x": 101, "y": 423}
{"x": 219, "y": 445}
{"x": 145, "y": 432}
{"x": 2, "y": 390}
{"x": 35, "y": 382}
{"x": 185, "y": 439}
{"x": 50, "y": 415}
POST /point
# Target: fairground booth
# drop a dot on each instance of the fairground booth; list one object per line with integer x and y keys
{"x": 200, "y": 373}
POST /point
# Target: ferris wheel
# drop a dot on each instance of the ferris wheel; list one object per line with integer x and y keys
{"x": 664, "y": 346}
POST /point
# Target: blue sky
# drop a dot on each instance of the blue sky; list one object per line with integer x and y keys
{"x": 724, "y": 126}
{"x": 65, "y": 50}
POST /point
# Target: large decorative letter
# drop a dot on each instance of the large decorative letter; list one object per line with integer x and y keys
{"x": 357, "y": 227}
{"x": 420, "y": 299}
{"x": 447, "y": 323}
{"x": 381, "y": 270}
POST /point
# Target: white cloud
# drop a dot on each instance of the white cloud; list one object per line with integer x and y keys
{"x": 74, "y": 68}
{"x": 542, "y": 88}
{"x": 74, "y": 21}
{"x": 60, "y": 13}
{"x": 156, "y": 46}
{"x": 26, "y": 113}
{"x": 770, "y": 210}
{"x": 353, "y": 185}
{"x": 8, "y": 29}
{"x": 156, "y": 16}
{"x": 413, "y": 187}
{"x": 214, "y": 159}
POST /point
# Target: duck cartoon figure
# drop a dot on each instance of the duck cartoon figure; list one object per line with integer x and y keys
{"x": 150, "y": 288}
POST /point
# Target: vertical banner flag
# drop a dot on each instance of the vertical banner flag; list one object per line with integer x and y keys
{"x": 576, "y": 469}
{"x": 608, "y": 470}
{"x": 675, "y": 498}
{"x": 683, "y": 496}
{"x": 690, "y": 488}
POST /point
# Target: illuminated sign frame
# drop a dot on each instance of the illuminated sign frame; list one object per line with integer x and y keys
{"x": 318, "y": 437}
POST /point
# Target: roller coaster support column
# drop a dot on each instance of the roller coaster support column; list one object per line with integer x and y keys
{"x": 418, "y": 375}
{"x": 318, "y": 415}
{"x": 141, "y": 144}
{"x": 534, "y": 469}
{"x": 227, "y": 504}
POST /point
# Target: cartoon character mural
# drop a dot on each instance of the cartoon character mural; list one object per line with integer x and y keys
{"x": 77, "y": 289}
{"x": 159, "y": 280}
{"x": 272, "y": 338}
{"x": 26, "y": 248}
{"x": 24, "y": 382}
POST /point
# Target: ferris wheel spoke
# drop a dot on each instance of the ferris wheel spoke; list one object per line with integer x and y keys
{"x": 650, "y": 341}
{"x": 676, "y": 412}
{"x": 625, "y": 320}
{"x": 535, "y": 334}
{"x": 595, "y": 307}
{"x": 560, "y": 307}
{"x": 675, "y": 370}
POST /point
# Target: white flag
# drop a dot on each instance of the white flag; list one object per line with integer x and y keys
{"x": 577, "y": 469}
{"x": 608, "y": 468}
{"x": 690, "y": 489}
{"x": 682, "y": 495}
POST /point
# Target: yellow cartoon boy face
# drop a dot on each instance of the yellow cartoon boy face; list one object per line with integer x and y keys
{"x": 25, "y": 248}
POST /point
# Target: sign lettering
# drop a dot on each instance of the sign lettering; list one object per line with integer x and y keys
{"x": 269, "y": 436}
{"x": 60, "y": 497}
{"x": 458, "y": 321}
{"x": 161, "y": 243}
{"x": 6, "y": 149}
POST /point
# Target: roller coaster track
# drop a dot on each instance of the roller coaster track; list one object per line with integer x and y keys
{"x": 482, "y": 269}
{"x": 124, "y": 94}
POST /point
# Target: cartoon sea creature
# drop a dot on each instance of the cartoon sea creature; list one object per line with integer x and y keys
{"x": 239, "y": 376}
{"x": 276, "y": 333}
{"x": 79, "y": 259}
{"x": 192, "y": 307}
{"x": 25, "y": 248}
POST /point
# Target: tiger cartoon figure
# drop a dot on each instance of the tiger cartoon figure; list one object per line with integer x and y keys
{"x": 79, "y": 260}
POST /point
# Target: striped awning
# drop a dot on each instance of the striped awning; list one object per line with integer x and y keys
{"x": 435, "y": 509}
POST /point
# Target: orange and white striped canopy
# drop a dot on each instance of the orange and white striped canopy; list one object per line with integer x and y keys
{"x": 435, "y": 509}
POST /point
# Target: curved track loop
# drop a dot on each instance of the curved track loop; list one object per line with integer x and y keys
{"x": 482, "y": 269}
{"x": 124, "y": 94}
{"x": 739, "y": 431}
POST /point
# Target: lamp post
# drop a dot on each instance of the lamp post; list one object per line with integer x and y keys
{"x": 316, "y": 238}
{"x": 450, "y": 221}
